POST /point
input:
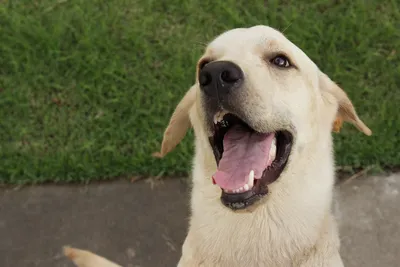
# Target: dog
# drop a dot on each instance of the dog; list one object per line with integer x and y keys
{"x": 263, "y": 114}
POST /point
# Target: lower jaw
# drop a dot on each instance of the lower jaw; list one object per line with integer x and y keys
{"x": 240, "y": 201}
{"x": 244, "y": 200}
{"x": 247, "y": 199}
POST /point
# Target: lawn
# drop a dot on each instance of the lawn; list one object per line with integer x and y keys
{"x": 87, "y": 87}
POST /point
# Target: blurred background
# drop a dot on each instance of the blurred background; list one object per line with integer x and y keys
{"x": 87, "y": 88}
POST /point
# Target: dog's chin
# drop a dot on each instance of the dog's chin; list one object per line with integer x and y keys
{"x": 247, "y": 160}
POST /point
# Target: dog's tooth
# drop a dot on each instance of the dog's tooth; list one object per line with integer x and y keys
{"x": 273, "y": 145}
{"x": 219, "y": 117}
{"x": 251, "y": 179}
{"x": 222, "y": 114}
{"x": 246, "y": 187}
{"x": 216, "y": 118}
{"x": 272, "y": 151}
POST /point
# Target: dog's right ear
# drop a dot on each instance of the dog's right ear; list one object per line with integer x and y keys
{"x": 178, "y": 124}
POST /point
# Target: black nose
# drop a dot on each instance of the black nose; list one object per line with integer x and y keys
{"x": 219, "y": 77}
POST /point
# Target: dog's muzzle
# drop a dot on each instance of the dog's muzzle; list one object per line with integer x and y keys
{"x": 247, "y": 160}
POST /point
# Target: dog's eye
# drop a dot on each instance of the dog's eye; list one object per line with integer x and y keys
{"x": 281, "y": 61}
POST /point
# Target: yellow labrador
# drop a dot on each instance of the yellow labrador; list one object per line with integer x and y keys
{"x": 263, "y": 171}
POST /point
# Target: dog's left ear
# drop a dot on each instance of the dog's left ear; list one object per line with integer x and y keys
{"x": 346, "y": 111}
{"x": 178, "y": 124}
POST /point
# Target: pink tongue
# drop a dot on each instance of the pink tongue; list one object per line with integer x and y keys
{"x": 243, "y": 151}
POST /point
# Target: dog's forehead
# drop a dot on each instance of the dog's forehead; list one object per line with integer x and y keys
{"x": 249, "y": 38}
{"x": 257, "y": 39}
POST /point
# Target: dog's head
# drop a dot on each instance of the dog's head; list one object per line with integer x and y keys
{"x": 257, "y": 98}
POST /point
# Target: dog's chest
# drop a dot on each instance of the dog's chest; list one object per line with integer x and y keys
{"x": 239, "y": 253}
{"x": 237, "y": 243}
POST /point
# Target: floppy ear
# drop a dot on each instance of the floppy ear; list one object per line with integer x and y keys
{"x": 178, "y": 124}
{"x": 346, "y": 111}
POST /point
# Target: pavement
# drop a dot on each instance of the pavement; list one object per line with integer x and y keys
{"x": 144, "y": 224}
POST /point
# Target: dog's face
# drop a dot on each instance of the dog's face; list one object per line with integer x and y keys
{"x": 257, "y": 98}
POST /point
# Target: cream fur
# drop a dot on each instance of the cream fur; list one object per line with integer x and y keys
{"x": 293, "y": 225}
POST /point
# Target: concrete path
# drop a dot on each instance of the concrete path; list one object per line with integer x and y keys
{"x": 137, "y": 225}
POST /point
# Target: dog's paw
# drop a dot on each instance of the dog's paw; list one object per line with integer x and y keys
{"x": 84, "y": 258}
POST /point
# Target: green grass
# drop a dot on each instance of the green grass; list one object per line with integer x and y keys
{"x": 87, "y": 87}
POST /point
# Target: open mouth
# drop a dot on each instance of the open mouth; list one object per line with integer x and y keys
{"x": 247, "y": 160}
